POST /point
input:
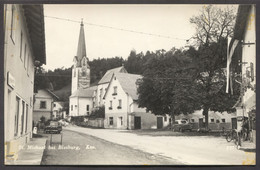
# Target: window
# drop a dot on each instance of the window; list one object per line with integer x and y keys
{"x": 74, "y": 72}
{"x": 119, "y": 104}
{"x": 43, "y": 105}
{"x": 71, "y": 107}
{"x": 54, "y": 104}
{"x": 217, "y": 121}
{"x": 165, "y": 118}
{"x": 192, "y": 120}
{"x": 22, "y": 116}
{"x": 24, "y": 56}
{"x": 16, "y": 118}
{"x": 76, "y": 106}
{"x": 12, "y": 23}
{"x": 26, "y": 119}
{"x": 121, "y": 120}
{"x": 212, "y": 120}
{"x": 110, "y": 120}
{"x": 87, "y": 107}
{"x": 115, "y": 91}
{"x": 223, "y": 120}
{"x": 21, "y": 46}
{"x": 110, "y": 107}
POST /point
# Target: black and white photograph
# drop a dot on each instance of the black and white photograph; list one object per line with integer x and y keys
{"x": 129, "y": 84}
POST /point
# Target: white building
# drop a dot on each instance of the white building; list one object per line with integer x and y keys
{"x": 103, "y": 84}
{"x": 58, "y": 110}
{"x": 245, "y": 32}
{"x": 24, "y": 43}
{"x": 121, "y": 107}
{"x": 43, "y": 105}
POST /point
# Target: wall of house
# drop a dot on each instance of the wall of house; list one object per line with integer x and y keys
{"x": 249, "y": 56}
{"x": 73, "y": 111}
{"x": 215, "y": 119}
{"x": 99, "y": 97}
{"x": 148, "y": 120}
{"x": 82, "y": 106}
{"x": 117, "y": 113}
{"x": 121, "y": 95}
{"x": 20, "y": 67}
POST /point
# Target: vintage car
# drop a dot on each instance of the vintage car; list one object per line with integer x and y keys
{"x": 181, "y": 126}
{"x": 54, "y": 127}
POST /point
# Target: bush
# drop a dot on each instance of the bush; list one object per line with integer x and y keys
{"x": 98, "y": 113}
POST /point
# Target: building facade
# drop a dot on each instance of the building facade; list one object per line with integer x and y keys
{"x": 121, "y": 107}
{"x": 58, "y": 110}
{"x": 217, "y": 121}
{"x": 245, "y": 32}
{"x": 44, "y": 105}
{"x": 103, "y": 84}
{"x": 24, "y": 39}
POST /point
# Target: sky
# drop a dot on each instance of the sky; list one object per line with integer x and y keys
{"x": 61, "y": 36}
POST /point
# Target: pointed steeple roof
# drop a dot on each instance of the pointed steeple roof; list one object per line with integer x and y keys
{"x": 81, "y": 52}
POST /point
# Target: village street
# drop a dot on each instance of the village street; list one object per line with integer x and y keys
{"x": 83, "y": 149}
{"x": 203, "y": 150}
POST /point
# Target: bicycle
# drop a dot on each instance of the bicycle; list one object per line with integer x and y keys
{"x": 234, "y": 135}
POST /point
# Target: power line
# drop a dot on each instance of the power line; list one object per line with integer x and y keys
{"x": 115, "y": 28}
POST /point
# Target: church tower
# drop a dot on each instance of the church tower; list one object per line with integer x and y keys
{"x": 81, "y": 69}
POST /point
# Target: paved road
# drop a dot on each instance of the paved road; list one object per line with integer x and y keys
{"x": 190, "y": 150}
{"x": 82, "y": 149}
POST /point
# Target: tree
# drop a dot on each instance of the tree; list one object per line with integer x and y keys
{"x": 166, "y": 87}
{"x": 213, "y": 26}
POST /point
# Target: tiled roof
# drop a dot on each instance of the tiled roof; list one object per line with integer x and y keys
{"x": 128, "y": 83}
{"x": 84, "y": 92}
{"x": 106, "y": 78}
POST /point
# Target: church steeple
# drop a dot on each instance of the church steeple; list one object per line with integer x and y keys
{"x": 81, "y": 52}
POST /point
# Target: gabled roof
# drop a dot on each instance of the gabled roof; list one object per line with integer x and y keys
{"x": 41, "y": 93}
{"x": 84, "y": 93}
{"x": 128, "y": 83}
{"x": 35, "y": 22}
{"x": 106, "y": 78}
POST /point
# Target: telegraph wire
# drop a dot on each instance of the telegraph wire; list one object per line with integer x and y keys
{"x": 115, "y": 28}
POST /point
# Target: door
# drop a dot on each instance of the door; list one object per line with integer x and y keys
{"x": 159, "y": 122}
{"x": 201, "y": 124}
{"x": 137, "y": 120}
{"x": 119, "y": 122}
{"x": 234, "y": 123}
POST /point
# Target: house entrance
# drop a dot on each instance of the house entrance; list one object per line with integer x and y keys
{"x": 137, "y": 120}
{"x": 159, "y": 122}
{"x": 119, "y": 122}
{"x": 201, "y": 123}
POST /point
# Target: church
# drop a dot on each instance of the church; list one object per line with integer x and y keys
{"x": 84, "y": 98}
{"x": 81, "y": 99}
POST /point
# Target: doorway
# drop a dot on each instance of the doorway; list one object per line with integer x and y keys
{"x": 137, "y": 121}
{"x": 159, "y": 122}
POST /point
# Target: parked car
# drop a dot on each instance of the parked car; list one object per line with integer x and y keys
{"x": 54, "y": 127}
{"x": 181, "y": 126}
